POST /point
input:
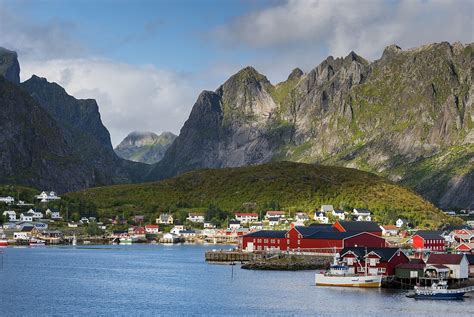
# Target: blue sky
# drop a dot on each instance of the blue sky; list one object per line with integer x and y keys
{"x": 145, "y": 62}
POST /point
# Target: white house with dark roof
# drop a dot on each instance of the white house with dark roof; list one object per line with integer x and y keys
{"x": 11, "y": 214}
{"x": 53, "y": 213}
{"x": 234, "y": 224}
{"x": 45, "y": 197}
{"x": 340, "y": 214}
{"x": 273, "y": 221}
{"x": 195, "y": 217}
{"x": 7, "y": 200}
{"x": 165, "y": 218}
{"x": 275, "y": 214}
{"x": 321, "y": 217}
{"x": 400, "y": 222}
{"x": 36, "y": 213}
{"x": 246, "y": 217}
{"x": 300, "y": 218}
{"x": 26, "y": 216}
{"x": 362, "y": 214}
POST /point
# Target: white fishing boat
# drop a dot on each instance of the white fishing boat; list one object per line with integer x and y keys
{"x": 339, "y": 275}
{"x": 36, "y": 242}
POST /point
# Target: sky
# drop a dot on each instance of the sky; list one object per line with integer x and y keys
{"x": 145, "y": 62}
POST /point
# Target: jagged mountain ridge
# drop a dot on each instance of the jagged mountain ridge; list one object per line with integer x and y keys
{"x": 407, "y": 116}
{"x": 77, "y": 154}
{"x": 145, "y": 147}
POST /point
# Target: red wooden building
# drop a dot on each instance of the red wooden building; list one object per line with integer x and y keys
{"x": 428, "y": 240}
{"x": 380, "y": 261}
{"x": 318, "y": 238}
{"x": 358, "y": 226}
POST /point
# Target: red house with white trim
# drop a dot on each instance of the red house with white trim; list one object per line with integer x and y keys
{"x": 380, "y": 261}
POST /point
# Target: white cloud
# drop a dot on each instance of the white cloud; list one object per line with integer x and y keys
{"x": 339, "y": 26}
{"x": 130, "y": 97}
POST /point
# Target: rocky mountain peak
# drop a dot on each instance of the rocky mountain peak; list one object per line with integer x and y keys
{"x": 9, "y": 66}
{"x": 295, "y": 74}
{"x": 391, "y": 50}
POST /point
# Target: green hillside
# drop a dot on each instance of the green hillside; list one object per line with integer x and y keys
{"x": 289, "y": 186}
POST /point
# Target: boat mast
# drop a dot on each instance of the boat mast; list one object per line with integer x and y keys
{"x": 366, "y": 261}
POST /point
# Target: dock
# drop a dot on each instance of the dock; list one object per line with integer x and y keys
{"x": 228, "y": 256}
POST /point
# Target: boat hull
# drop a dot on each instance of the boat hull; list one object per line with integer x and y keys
{"x": 440, "y": 296}
{"x": 348, "y": 281}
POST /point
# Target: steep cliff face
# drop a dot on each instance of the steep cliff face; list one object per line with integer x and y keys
{"x": 408, "y": 116}
{"x": 145, "y": 147}
{"x": 80, "y": 123}
{"x": 9, "y": 66}
{"x": 32, "y": 149}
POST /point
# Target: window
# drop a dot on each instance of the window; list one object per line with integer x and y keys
{"x": 299, "y": 242}
{"x": 265, "y": 241}
{"x": 361, "y": 269}
{"x": 373, "y": 262}
{"x": 350, "y": 261}
{"x": 272, "y": 241}
{"x": 381, "y": 270}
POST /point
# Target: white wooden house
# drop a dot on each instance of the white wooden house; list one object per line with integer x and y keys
{"x": 27, "y": 216}
{"x": 53, "y": 213}
{"x": 362, "y": 214}
{"x": 246, "y": 217}
{"x": 165, "y": 218}
{"x": 45, "y": 197}
{"x": 300, "y": 218}
{"x": 321, "y": 217}
{"x": 400, "y": 222}
{"x": 195, "y": 217}
{"x": 457, "y": 263}
{"x": 275, "y": 214}
{"x": 11, "y": 214}
{"x": 176, "y": 229}
{"x": 7, "y": 200}
{"x": 339, "y": 214}
{"x": 234, "y": 224}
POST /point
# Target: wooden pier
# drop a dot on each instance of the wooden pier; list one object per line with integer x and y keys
{"x": 228, "y": 256}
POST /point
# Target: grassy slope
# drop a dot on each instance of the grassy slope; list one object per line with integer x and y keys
{"x": 294, "y": 186}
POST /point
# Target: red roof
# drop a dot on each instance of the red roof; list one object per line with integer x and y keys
{"x": 390, "y": 227}
{"x": 444, "y": 258}
{"x": 248, "y": 214}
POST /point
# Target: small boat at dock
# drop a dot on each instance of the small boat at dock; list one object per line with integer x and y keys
{"x": 339, "y": 275}
{"x": 3, "y": 241}
{"x": 36, "y": 242}
{"x": 439, "y": 291}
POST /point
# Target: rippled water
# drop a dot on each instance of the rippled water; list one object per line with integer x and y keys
{"x": 149, "y": 280}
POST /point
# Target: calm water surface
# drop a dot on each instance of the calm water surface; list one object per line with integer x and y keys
{"x": 150, "y": 280}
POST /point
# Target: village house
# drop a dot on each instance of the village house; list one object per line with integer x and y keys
{"x": 256, "y": 226}
{"x": 470, "y": 260}
{"x": 340, "y": 214}
{"x": 321, "y": 217}
{"x": 389, "y": 230}
{"x": 264, "y": 240}
{"x": 195, "y": 217}
{"x": 411, "y": 270}
{"x": 428, "y": 240}
{"x": 37, "y": 213}
{"x": 209, "y": 225}
{"x": 9, "y": 225}
{"x": 176, "y": 229}
{"x": 457, "y": 263}
{"x": 361, "y": 214}
{"x": 275, "y": 214}
{"x": 165, "y": 219}
{"x": 246, "y": 217}
{"x": 465, "y": 247}
{"x": 137, "y": 233}
{"x": 84, "y": 220}
{"x": 47, "y": 197}
{"x": 300, "y": 218}
{"x": 53, "y": 213}
{"x": 152, "y": 229}
{"x": 327, "y": 208}
{"x": 26, "y": 233}
{"x": 400, "y": 222}
{"x": 7, "y": 200}
{"x": 11, "y": 214}
{"x": 462, "y": 235}
{"x": 138, "y": 219}
{"x": 27, "y": 216}
{"x": 380, "y": 261}
{"x": 72, "y": 224}
{"x": 187, "y": 233}
{"x": 315, "y": 238}
{"x": 234, "y": 224}
{"x": 273, "y": 221}
{"x": 358, "y": 226}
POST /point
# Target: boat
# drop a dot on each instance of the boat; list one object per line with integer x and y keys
{"x": 36, "y": 242}
{"x": 339, "y": 275}
{"x": 3, "y": 241}
{"x": 74, "y": 240}
{"x": 125, "y": 240}
{"x": 438, "y": 291}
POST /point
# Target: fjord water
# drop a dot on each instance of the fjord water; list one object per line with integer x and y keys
{"x": 150, "y": 280}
